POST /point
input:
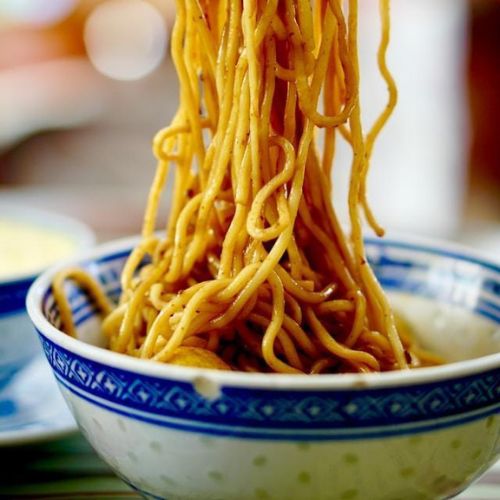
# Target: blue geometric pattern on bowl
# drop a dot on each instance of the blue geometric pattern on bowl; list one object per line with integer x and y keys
{"x": 307, "y": 415}
{"x": 453, "y": 280}
{"x": 278, "y": 414}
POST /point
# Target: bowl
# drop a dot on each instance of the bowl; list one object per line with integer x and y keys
{"x": 18, "y": 344}
{"x": 185, "y": 433}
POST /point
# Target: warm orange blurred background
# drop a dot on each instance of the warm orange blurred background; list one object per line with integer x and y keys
{"x": 85, "y": 84}
{"x": 483, "y": 74}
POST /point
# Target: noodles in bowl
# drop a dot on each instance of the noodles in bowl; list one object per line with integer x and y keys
{"x": 254, "y": 271}
{"x": 190, "y": 432}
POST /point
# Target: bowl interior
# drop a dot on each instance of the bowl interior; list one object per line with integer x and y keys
{"x": 450, "y": 298}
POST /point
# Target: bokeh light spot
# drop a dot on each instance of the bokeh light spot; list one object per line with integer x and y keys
{"x": 36, "y": 12}
{"x": 125, "y": 39}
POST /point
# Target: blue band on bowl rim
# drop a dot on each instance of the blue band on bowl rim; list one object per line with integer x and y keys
{"x": 278, "y": 414}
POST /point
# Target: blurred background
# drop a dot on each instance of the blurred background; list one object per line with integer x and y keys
{"x": 84, "y": 85}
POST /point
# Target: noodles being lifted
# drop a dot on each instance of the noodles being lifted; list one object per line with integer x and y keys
{"x": 254, "y": 272}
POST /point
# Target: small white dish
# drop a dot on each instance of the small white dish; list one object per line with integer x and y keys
{"x": 18, "y": 343}
{"x": 32, "y": 408}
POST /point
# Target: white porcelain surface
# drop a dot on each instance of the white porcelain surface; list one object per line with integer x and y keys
{"x": 179, "y": 465}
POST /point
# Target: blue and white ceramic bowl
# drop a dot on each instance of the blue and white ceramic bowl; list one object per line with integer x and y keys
{"x": 18, "y": 345}
{"x": 185, "y": 433}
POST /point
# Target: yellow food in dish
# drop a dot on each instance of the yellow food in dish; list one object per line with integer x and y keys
{"x": 26, "y": 248}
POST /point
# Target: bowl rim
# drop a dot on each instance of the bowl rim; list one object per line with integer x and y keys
{"x": 264, "y": 381}
{"x": 83, "y": 236}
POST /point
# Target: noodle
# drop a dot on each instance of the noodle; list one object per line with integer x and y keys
{"x": 254, "y": 271}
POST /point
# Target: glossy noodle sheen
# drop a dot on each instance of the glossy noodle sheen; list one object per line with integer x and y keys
{"x": 254, "y": 271}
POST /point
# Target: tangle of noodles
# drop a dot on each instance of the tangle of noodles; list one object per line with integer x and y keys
{"x": 254, "y": 271}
